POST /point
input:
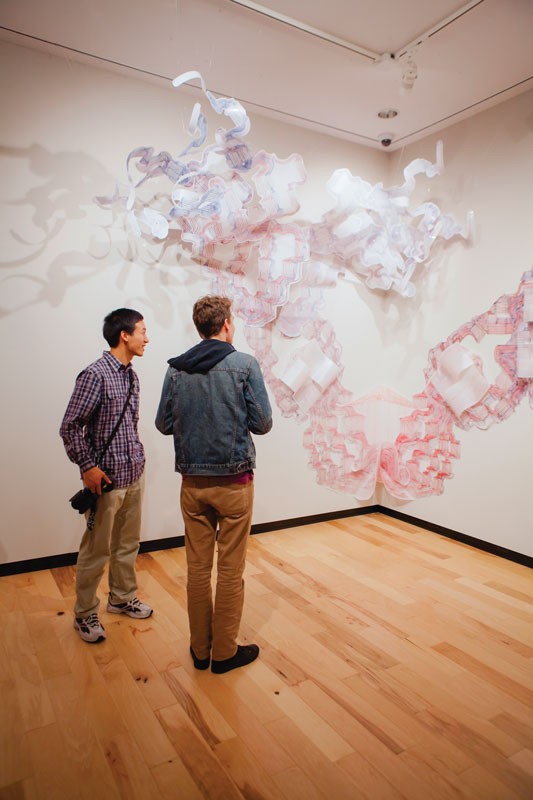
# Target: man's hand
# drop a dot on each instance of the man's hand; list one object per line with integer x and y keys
{"x": 93, "y": 479}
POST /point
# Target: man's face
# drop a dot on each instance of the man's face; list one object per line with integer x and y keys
{"x": 136, "y": 341}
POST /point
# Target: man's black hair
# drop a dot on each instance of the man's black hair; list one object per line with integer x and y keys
{"x": 123, "y": 319}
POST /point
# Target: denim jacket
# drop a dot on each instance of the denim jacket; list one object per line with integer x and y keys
{"x": 211, "y": 415}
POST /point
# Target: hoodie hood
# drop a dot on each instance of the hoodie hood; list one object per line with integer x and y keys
{"x": 202, "y": 357}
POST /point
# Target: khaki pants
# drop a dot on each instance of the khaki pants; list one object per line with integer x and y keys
{"x": 206, "y": 501}
{"x": 114, "y": 538}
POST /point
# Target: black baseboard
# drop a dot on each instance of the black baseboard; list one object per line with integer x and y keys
{"x": 162, "y": 544}
{"x": 296, "y": 522}
{"x": 479, "y": 544}
{"x": 36, "y": 564}
{"x": 69, "y": 559}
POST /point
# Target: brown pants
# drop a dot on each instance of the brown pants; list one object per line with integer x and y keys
{"x": 206, "y": 501}
{"x": 114, "y": 538}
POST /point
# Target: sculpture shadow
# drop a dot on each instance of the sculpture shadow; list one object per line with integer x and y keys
{"x": 60, "y": 198}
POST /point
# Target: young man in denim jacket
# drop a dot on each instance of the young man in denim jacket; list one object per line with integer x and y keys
{"x": 212, "y": 398}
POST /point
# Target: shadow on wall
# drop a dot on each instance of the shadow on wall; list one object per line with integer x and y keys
{"x": 401, "y": 322}
{"x": 57, "y": 210}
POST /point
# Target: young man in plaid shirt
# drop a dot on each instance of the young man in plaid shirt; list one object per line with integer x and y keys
{"x": 94, "y": 409}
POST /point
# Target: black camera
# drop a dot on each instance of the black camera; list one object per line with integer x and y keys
{"x": 85, "y": 500}
{"x": 82, "y": 501}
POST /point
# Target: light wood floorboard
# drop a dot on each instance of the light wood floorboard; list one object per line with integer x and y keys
{"x": 395, "y": 664}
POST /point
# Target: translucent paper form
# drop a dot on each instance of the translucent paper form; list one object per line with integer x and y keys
{"x": 235, "y": 210}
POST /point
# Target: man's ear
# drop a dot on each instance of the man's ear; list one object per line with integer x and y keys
{"x": 124, "y": 336}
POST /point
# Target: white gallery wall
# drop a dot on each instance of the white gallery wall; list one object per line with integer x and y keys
{"x": 65, "y": 132}
{"x": 488, "y": 168}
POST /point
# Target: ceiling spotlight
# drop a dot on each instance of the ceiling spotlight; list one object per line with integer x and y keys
{"x": 387, "y": 113}
{"x": 409, "y": 74}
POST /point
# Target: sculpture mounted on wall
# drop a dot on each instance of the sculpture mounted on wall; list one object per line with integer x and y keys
{"x": 233, "y": 208}
{"x": 409, "y": 444}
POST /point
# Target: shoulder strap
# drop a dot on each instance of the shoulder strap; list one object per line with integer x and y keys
{"x": 117, "y": 426}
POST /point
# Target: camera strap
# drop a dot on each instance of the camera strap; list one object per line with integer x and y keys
{"x": 117, "y": 426}
{"x": 92, "y": 513}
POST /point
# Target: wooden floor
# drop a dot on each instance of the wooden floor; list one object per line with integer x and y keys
{"x": 394, "y": 664}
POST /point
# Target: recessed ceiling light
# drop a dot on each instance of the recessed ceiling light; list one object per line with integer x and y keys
{"x": 387, "y": 113}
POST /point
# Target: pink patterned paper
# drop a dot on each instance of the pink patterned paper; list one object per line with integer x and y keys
{"x": 235, "y": 210}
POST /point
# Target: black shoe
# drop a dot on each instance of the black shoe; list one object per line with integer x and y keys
{"x": 199, "y": 663}
{"x": 245, "y": 655}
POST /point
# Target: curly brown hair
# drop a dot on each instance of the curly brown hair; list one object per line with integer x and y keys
{"x": 209, "y": 314}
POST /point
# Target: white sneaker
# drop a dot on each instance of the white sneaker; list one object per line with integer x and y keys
{"x": 90, "y": 628}
{"x": 133, "y": 608}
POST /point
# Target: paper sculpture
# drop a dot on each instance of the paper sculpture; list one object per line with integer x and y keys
{"x": 375, "y": 232}
{"x": 233, "y": 208}
{"x": 409, "y": 444}
{"x": 230, "y": 206}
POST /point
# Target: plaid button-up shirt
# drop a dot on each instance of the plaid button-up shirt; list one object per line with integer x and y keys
{"x": 92, "y": 413}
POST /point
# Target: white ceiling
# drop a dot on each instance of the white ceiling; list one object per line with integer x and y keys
{"x": 314, "y": 63}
